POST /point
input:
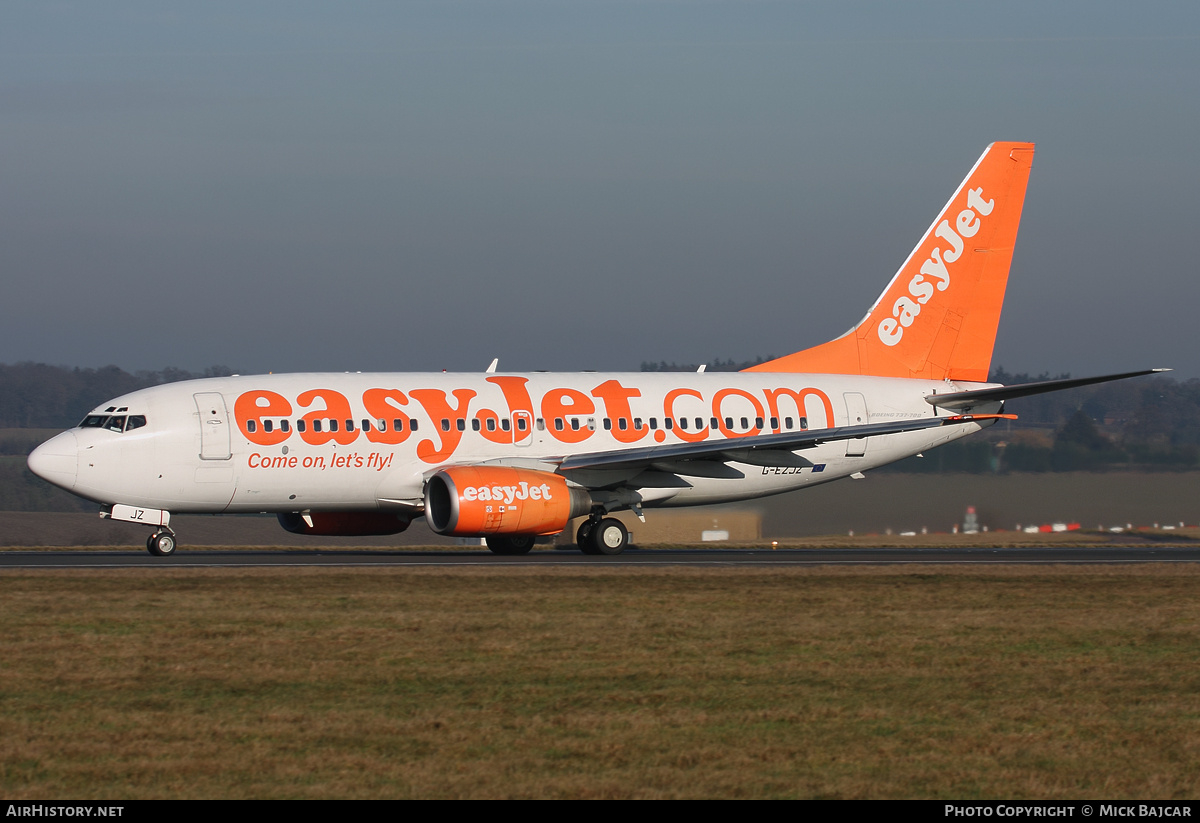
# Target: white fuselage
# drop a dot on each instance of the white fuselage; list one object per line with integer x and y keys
{"x": 367, "y": 442}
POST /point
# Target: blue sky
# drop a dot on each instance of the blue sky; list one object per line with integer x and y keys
{"x": 293, "y": 186}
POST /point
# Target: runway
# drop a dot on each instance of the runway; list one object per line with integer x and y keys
{"x": 744, "y": 558}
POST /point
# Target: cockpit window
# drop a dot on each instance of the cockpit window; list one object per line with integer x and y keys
{"x": 114, "y": 423}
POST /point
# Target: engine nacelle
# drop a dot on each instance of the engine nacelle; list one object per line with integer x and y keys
{"x": 345, "y": 524}
{"x": 486, "y": 500}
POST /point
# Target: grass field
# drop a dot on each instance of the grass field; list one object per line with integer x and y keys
{"x": 1010, "y": 682}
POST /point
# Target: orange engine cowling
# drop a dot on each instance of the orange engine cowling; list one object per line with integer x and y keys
{"x": 485, "y": 500}
{"x": 345, "y": 524}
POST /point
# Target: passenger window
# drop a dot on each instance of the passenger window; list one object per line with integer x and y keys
{"x": 333, "y": 426}
{"x": 668, "y": 423}
{"x": 729, "y": 422}
{"x": 622, "y": 423}
{"x": 491, "y": 424}
{"x": 637, "y": 424}
{"x": 558, "y": 424}
{"x": 715, "y": 424}
{"x": 316, "y": 425}
{"x": 541, "y": 425}
{"x": 251, "y": 426}
{"x": 284, "y": 425}
{"x": 136, "y": 421}
{"x": 460, "y": 424}
{"x": 758, "y": 421}
{"x": 653, "y": 423}
{"x": 505, "y": 425}
{"x": 700, "y": 423}
{"x": 745, "y": 423}
{"x": 787, "y": 423}
{"x": 574, "y": 424}
{"x": 774, "y": 422}
{"x": 445, "y": 424}
{"x": 607, "y": 424}
{"x": 349, "y": 425}
{"x": 804, "y": 422}
{"x": 475, "y": 426}
{"x": 412, "y": 425}
{"x": 520, "y": 423}
{"x": 683, "y": 423}
{"x": 301, "y": 426}
{"x": 397, "y": 425}
{"x": 268, "y": 425}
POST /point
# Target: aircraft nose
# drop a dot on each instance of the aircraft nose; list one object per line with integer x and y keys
{"x": 57, "y": 460}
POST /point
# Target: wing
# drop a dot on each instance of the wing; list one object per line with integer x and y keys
{"x": 761, "y": 450}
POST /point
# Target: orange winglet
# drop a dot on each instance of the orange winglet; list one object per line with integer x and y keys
{"x": 937, "y": 318}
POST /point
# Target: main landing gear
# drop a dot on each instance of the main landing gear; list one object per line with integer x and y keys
{"x": 161, "y": 543}
{"x": 602, "y": 535}
{"x": 514, "y": 544}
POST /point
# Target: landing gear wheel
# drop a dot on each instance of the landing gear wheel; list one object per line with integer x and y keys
{"x": 609, "y": 537}
{"x": 583, "y": 537}
{"x": 161, "y": 544}
{"x": 516, "y": 544}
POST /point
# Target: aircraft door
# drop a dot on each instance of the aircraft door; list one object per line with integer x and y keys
{"x": 856, "y": 415}
{"x": 214, "y": 426}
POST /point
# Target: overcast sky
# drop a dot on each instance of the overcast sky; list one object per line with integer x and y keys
{"x": 287, "y": 186}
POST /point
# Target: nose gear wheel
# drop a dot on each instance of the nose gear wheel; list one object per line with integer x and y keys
{"x": 161, "y": 543}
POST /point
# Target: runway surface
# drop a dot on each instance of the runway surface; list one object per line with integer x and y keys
{"x": 108, "y": 559}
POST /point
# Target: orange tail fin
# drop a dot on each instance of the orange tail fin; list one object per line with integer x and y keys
{"x": 937, "y": 318}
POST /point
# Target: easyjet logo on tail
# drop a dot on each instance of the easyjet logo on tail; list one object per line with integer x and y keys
{"x": 907, "y": 307}
{"x": 945, "y": 300}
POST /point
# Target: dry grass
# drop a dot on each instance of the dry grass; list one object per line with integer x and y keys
{"x": 999, "y": 683}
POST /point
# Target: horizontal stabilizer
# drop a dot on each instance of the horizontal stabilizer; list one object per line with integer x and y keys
{"x": 970, "y": 399}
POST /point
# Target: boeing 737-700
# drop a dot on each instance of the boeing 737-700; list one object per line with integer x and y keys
{"x": 511, "y": 457}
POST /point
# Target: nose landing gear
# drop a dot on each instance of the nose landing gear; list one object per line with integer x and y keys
{"x": 160, "y": 544}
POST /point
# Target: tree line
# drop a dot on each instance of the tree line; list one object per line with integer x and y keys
{"x": 39, "y": 396}
{"x": 1144, "y": 423}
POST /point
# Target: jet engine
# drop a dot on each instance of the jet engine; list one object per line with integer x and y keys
{"x": 344, "y": 524}
{"x": 497, "y": 500}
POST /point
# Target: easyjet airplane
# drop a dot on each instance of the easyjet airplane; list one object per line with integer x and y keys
{"x": 510, "y": 457}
